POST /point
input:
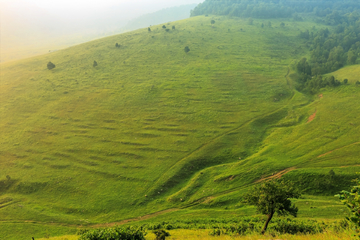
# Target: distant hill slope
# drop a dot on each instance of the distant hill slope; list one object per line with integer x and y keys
{"x": 152, "y": 127}
{"x": 162, "y": 16}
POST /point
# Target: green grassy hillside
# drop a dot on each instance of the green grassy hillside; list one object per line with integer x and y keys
{"x": 152, "y": 128}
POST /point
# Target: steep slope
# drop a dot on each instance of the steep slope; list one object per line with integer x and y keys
{"x": 152, "y": 127}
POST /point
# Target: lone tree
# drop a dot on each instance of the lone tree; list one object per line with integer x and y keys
{"x": 187, "y": 49}
{"x": 149, "y": 29}
{"x": 95, "y": 64}
{"x": 273, "y": 196}
{"x": 212, "y": 21}
{"x": 50, "y": 65}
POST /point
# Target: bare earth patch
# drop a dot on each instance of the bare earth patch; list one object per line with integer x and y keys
{"x": 312, "y": 117}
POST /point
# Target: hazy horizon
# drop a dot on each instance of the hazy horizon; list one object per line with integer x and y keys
{"x": 27, "y": 25}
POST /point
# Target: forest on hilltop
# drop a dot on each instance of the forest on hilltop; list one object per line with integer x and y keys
{"x": 275, "y": 9}
{"x": 330, "y": 49}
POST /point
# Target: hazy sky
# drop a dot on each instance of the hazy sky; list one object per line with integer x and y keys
{"x": 67, "y": 22}
{"x": 60, "y": 5}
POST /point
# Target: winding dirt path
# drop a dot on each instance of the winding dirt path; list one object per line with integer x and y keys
{"x": 277, "y": 175}
{"x": 324, "y": 154}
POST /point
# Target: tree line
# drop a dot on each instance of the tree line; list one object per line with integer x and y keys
{"x": 329, "y": 51}
{"x": 274, "y": 9}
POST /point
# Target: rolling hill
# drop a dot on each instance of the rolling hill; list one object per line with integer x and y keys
{"x": 155, "y": 130}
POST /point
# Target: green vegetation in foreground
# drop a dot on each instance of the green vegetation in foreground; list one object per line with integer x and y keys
{"x": 153, "y": 128}
{"x": 204, "y": 235}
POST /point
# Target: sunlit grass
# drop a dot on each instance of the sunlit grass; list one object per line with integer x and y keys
{"x": 204, "y": 235}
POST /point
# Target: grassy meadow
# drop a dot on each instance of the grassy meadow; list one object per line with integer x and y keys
{"x": 153, "y": 128}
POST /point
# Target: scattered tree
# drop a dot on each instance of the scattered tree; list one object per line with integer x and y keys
{"x": 173, "y": 27}
{"x": 50, "y": 65}
{"x": 164, "y": 26}
{"x": 95, "y": 64}
{"x": 116, "y": 45}
{"x": 161, "y": 234}
{"x": 345, "y": 81}
{"x": 167, "y": 30}
{"x": 212, "y": 21}
{"x": 262, "y": 25}
{"x": 187, "y": 49}
{"x": 250, "y": 21}
{"x": 273, "y": 197}
{"x": 149, "y": 29}
{"x": 352, "y": 201}
{"x": 269, "y": 24}
{"x": 282, "y": 24}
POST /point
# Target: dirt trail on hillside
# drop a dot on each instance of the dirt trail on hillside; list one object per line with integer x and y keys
{"x": 324, "y": 154}
{"x": 277, "y": 175}
{"x": 205, "y": 199}
{"x": 135, "y": 219}
{"x": 312, "y": 117}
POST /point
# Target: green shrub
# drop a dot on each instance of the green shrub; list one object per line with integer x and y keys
{"x": 161, "y": 234}
{"x": 117, "y": 233}
{"x": 290, "y": 226}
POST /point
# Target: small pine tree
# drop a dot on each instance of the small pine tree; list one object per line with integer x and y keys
{"x": 95, "y": 64}
{"x": 50, "y": 65}
{"x": 149, "y": 29}
{"x": 117, "y": 45}
{"x": 187, "y": 49}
